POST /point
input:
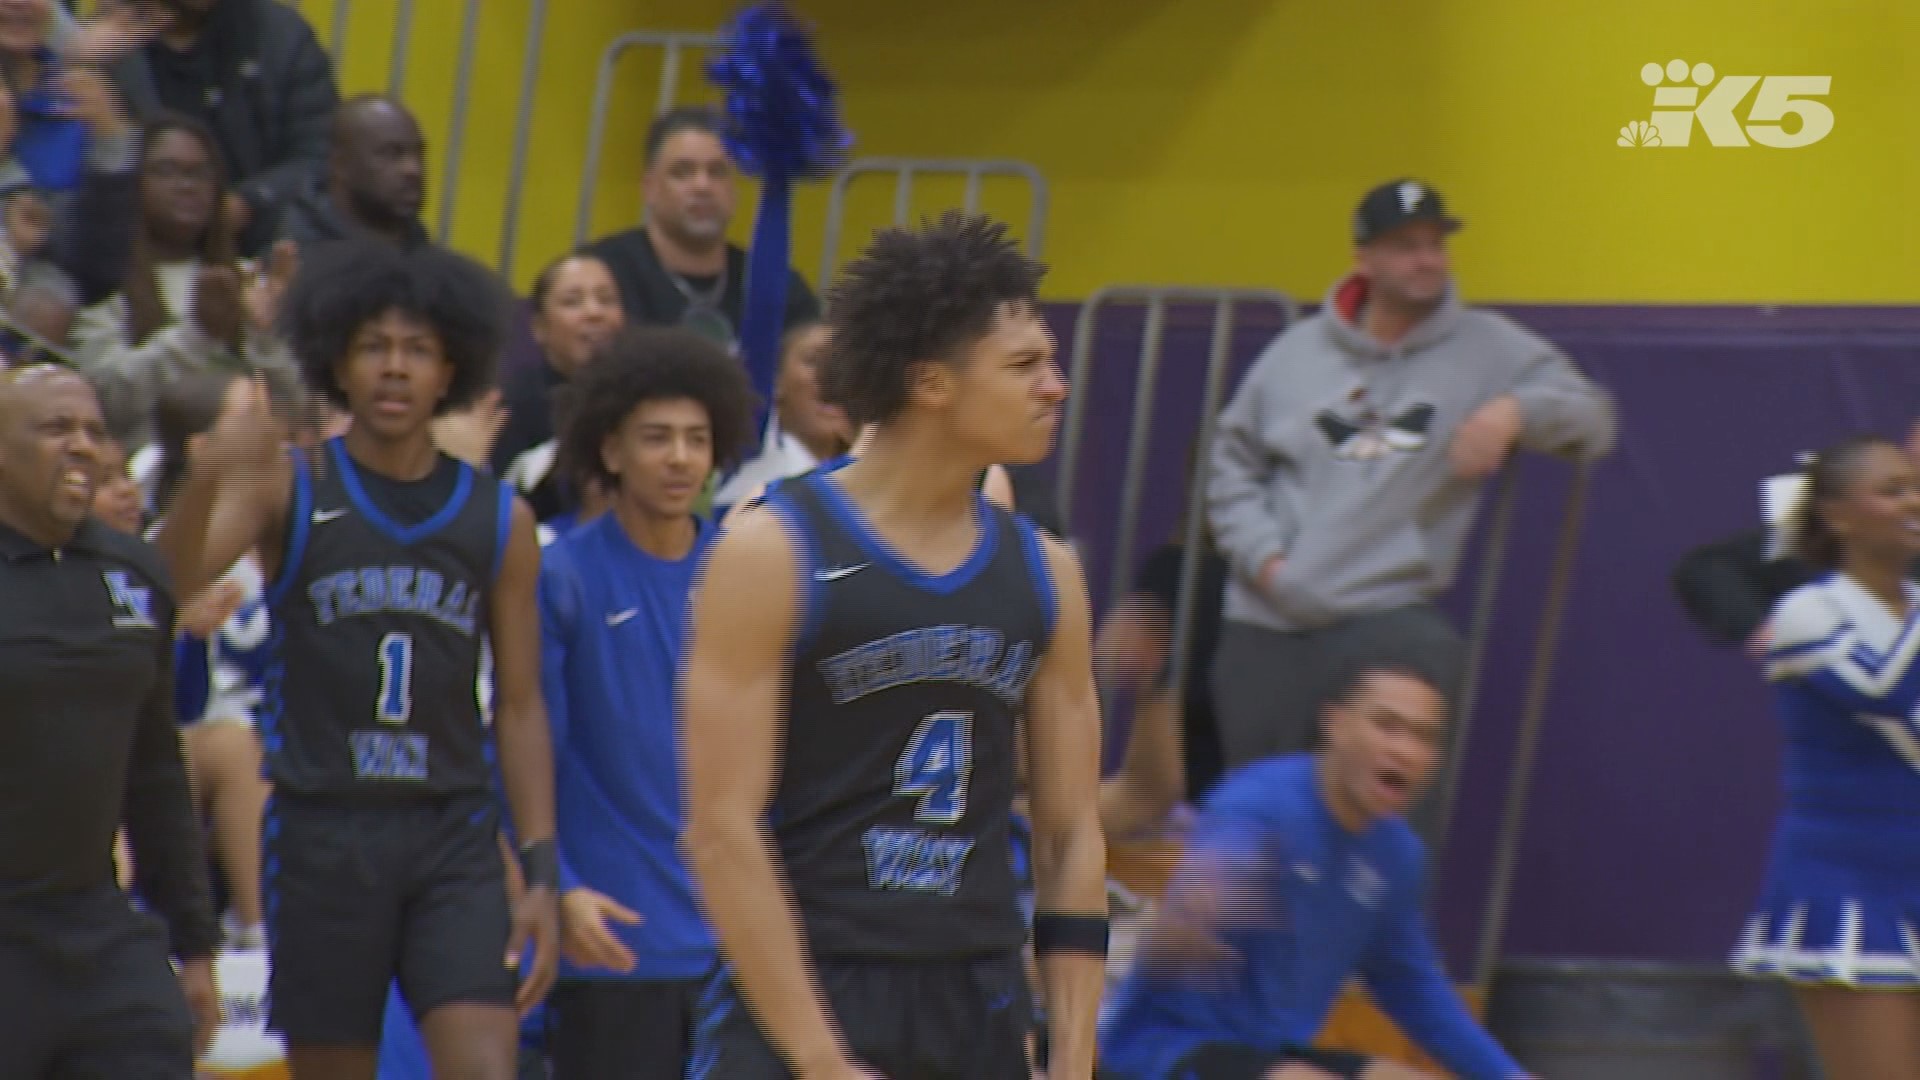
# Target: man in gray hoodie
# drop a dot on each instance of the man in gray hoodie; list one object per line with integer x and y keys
{"x": 1347, "y": 468}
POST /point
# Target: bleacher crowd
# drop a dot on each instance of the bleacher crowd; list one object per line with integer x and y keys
{"x": 176, "y": 183}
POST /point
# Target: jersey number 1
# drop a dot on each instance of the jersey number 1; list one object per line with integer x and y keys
{"x": 396, "y": 679}
{"x": 935, "y": 767}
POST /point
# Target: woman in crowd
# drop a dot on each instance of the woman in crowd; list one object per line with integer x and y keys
{"x": 188, "y": 305}
{"x": 1840, "y": 910}
{"x": 806, "y": 430}
{"x": 576, "y": 310}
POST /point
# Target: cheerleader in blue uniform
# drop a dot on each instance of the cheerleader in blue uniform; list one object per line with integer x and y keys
{"x": 1839, "y": 914}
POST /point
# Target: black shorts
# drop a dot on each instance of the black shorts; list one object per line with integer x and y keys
{"x": 1224, "y": 1061}
{"x": 621, "y": 1029}
{"x": 87, "y": 993}
{"x": 359, "y": 895}
{"x": 961, "y": 1019}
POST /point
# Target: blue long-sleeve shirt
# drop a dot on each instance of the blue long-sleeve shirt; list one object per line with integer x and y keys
{"x": 613, "y": 628}
{"x": 1311, "y": 905}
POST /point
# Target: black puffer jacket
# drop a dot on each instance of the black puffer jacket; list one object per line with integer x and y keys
{"x": 277, "y": 97}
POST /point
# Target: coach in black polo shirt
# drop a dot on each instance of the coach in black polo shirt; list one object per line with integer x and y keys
{"x": 87, "y": 741}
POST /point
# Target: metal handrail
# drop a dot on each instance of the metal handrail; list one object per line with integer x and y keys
{"x": 1226, "y": 302}
{"x": 673, "y": 43}
{"x": 904, "y": 170}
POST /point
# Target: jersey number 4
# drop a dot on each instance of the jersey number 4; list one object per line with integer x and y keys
{"x": 935, "y": 767}
{"x": 395, "y": 703}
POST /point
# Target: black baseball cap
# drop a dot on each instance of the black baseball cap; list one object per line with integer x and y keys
{"x": 1395, "y": 203}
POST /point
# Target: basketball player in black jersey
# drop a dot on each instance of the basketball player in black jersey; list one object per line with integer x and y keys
{"x": 863, "y": 643}
{"x": 389, "y": 564}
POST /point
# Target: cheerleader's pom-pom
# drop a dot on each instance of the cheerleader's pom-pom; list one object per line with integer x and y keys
{"x": 783, "y": 114}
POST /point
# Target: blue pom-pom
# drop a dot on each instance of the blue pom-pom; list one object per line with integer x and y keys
{"x": 782, "y": 110}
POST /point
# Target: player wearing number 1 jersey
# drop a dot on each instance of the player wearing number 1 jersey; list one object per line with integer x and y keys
{"x": 389, "y": 566}
{"x": 862, "y": 645}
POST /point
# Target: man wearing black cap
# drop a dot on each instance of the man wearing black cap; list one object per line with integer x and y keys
{"x": 88, "y": 741}
{"x": 1343, "y": 482}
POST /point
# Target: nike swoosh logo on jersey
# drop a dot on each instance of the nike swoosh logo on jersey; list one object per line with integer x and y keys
{"x": 321, "y": 517}
{"x": 838, "y": 572}
{"x": 619, "y": 617}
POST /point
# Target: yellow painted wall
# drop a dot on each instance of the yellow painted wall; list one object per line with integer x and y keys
{"x": 1225, "y": 141}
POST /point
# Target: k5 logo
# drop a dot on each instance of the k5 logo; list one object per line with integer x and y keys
{"x": 1677, "y": 103}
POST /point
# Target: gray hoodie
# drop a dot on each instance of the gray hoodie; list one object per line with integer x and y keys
{"x": 1334, "y": 455}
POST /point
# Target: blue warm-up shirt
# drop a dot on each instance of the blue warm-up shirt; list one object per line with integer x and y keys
{"x": 613, "y": 628}
{"x": 1320, "y": 905}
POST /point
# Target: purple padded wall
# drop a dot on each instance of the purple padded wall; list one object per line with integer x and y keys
{"x": 1657, "y": 780}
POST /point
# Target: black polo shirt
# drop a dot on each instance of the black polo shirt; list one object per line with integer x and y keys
{"x": 88, "y": 737}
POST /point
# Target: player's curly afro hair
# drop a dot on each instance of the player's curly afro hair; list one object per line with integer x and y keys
{"x": 343, "y": 285}
{"x": 652, "y": 364}
{"x": 916, "y": 296}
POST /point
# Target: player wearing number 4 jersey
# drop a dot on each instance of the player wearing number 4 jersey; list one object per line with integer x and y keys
{"x": 389, "y": 565}
{"x": 862, "y": 645}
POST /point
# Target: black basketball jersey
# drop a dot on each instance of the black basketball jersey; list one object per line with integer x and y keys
{"x": 897, "y": 777}
{"x": 378, "y": 627}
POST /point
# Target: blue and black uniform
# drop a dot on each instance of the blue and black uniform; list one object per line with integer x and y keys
{"x": 1332, "y": 904}
{"x": 382, "y": 850}
{"x": 894, "y": 798}
{"x": 613, "y": 624}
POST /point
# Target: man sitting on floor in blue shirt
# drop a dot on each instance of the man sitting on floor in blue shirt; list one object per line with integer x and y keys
{"x": 1301, "y": 874}
{"x": 651, "y": 417}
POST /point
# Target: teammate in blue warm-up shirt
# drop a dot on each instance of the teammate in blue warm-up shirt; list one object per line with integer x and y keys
{"x": 1301, "y": 875}
{"x": 657, "y": 411}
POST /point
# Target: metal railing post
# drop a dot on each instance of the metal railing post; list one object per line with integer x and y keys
{"x": 673, "y": 43}
{"x": 402, "y": 35}
{"x": 905, "y": 171}
{"x": 457, "y": 124}
{"x": 1080, "y": 369}
{"x": 1513, "y": 817}
{"x": 522, "y": 135}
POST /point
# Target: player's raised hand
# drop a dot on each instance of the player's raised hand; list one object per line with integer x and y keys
{"x": 246, "y": 440}
{"x": 535, "y": 946}
{"x": 585, "y": 935}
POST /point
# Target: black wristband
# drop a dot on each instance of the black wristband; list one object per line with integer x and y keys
{"x": 540, "y": 865}
{"x": 1070, "y": 933}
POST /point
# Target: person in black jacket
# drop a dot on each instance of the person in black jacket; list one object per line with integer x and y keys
{"x": 88, "y": 741}
{"x": 374, "y": 182}
{"x": 677, "y": 267}
{"x": 252, "y": 71}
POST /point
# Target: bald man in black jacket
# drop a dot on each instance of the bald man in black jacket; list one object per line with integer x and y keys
{"x": 88, "y": 741}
